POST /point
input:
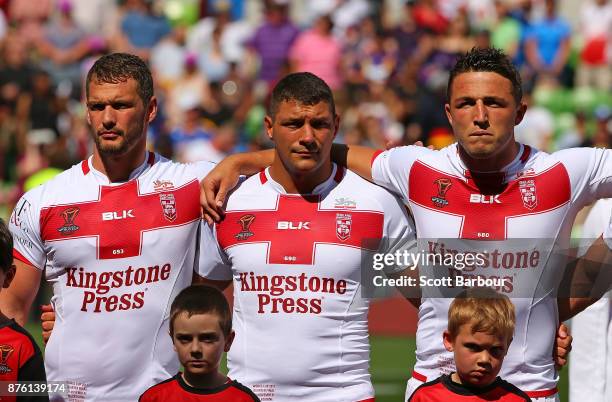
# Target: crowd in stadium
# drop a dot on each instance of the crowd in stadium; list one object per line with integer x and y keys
{"x": 215, "y": 62}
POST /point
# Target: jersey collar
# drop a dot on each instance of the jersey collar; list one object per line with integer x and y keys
{"x": 508, "y": 172}
{"x": 336, "y": 176}
{"x": 87, "y": 168}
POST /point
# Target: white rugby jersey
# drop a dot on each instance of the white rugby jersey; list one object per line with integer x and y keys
{"x": 542, "y": 195}
{"x": 117, "y": 255}
{"x": 299, "y": 314}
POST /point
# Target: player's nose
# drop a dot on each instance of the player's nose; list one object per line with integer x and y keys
{"x": 481, "y": 115}
{"x": 108, "y": 117}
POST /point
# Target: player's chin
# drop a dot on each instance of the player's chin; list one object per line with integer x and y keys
{"x": 480, "y": 379}
{"x": 199, "y": 367}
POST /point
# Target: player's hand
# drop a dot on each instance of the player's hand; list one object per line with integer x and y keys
{"x": 47, "y": 319}
{"x": 392, "y": 144}
{"x": 563, "y": 346}
{"x": 214, "y": 189}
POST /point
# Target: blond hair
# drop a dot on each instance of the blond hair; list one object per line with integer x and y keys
{"x": 485, "y": 310}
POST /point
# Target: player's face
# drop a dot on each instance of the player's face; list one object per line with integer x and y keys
{"x": 200, "y": 342}
{"x": 483, "y": 112}
{"x": 118, "y": 116}
{"x": 303, "y": 135}
{"x": 478, "y": 356}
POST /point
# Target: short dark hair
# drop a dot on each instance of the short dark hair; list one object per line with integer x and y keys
{"x": 305, "y": 88}
{"x": 487, "y": 60}
{"x": 6, "y": 247}
{"x": 119, "y": 67}
{"x": 202, "y": 299}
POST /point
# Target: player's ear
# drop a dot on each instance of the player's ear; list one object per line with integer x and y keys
{"x": 152, "y": 109}
{"x": 447, "y": 110}
{"x": 8, "y": 276}
{"x": 268, "y": 124}
{"x": 520, "y": 113}
{"x": 448, "y": 341}
{"x": 229, "y": 341}
{"x": 336, "y": 124}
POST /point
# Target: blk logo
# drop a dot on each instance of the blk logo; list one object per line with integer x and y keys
{"x": 113, "y": 216}
{"x": 287, "y": 225}
{"x": 484, "y": 199}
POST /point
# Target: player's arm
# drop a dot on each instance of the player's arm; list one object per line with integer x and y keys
{"x": 355, "y": 157}
{"x": 591, "y": 279}
{"x": 17, "y": 299}
{"x": 224, "y": 177}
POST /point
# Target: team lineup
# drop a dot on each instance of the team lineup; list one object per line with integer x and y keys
{"x": 129, "y": 252}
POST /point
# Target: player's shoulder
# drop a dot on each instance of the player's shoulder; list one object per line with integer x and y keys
{"x": 197, "y": 170}
{"x": 354, "y": 186}
{"x": 65, "y": 182}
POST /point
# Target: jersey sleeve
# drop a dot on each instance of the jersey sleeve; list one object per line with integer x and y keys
{"x": 590, "y": 172}
{"x": 400, "y": 232}
{"x": 391, "y": 168}
{"x": 24, "y": 225}
{"x": 213, "y": 262}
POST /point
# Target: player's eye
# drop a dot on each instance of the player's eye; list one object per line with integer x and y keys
{"x": 96, "y": 107}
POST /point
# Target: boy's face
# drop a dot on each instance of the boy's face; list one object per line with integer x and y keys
{"x": 478, "y": 356}
{"x": 200, "y": 342}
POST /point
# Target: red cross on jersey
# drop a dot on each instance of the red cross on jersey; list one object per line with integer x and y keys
{"x": 117, "y": 255}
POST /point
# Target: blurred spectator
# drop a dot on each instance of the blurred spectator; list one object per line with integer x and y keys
{"x": 192, "y": 88}
{"x": 547, "y": 47}
{"x": 168, "y": 58}
{"x": 318, "y": 52}
{"x": 427, "y": 16}
{"x": 37, "y": 111}
{"x": 191, "y": 130}
{"x": 214, "y": 149}
{"x": 11, "y": 146}
{"x": 29, "y": 17}
{"x": 217, "y": 111}
{"x": 537, "y": 127}
{"x": 602, "y": 137}
{"x": 3, "y": 24}
{"x": 62, "y": 45}
{"x": 408, "y": 37}
{"x": 234, "y": 34}
{"x": 97, "y": 17}
{"x": 142, "y": 28}
{"x": 506, "y": 33}
{"x": 212, "y": 62}
{"x": 272, "y": 41}
{"x": 595, "y": 68}
{"x": 16, "y": 71}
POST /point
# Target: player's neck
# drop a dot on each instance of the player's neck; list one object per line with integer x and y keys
{"x": 204, "y": 381}
{"x": 299, "y": 182}
{"x": 495, "y": 163}
{"x": 119, "y": 167}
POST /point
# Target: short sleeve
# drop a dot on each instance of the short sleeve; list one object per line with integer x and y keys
{"x": 213, "y": 263}
{"x": 590, "y": 171}
{"x": 391, "y": 168}
{"x": 25, "y": 228}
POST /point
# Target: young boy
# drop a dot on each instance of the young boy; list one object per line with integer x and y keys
{"x": 201, "y": 330}
{"x": 480, "y": 329}
{"x": 20, "y": 358}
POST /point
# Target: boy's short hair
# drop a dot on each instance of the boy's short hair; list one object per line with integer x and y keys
{"x": 485, "y": 309}
{"x": 6, "y": 247}
{"x": 202, "y": 299}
